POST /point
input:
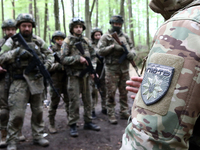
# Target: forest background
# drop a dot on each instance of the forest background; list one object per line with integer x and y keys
{"x": 140, "y": 22}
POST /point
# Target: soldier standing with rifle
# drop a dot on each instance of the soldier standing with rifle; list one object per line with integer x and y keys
{"x": 75, "y": 63}
{"x": 27, "y": 84}
{"x": 96, "y": 34}
{"x": 116, "y": 72}
{"x": 59, "y": 78}
{"x": 9, "y": 28}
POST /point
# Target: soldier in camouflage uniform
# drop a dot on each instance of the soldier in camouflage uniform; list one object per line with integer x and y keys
{"x": 167, "y": 105}
{"x": 116, "y": 73}
{"x": 9, "y": 28}
{"x": 59, "y": 81}
{"x": 96, "y": 34}
{"x": 25, "y": 88}
{"x": 75, "y": 63}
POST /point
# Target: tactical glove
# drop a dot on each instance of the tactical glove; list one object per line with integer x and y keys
{"x": 118, "y": 47}
{"x": 130, "y": 56}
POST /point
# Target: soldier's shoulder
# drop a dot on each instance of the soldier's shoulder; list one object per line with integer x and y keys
{"x": 67, "y": 40}
{"x": 38, "y": 39}
{"x": 105, "y": 36}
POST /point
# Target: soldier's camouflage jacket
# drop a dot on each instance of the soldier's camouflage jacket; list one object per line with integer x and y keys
{"x": 18, "y": 60}
{"x": 167, "y": 104}
{"x": 2, "y": 41}
{"x": 70, "y": 55}
{"x": 112, "y": 56}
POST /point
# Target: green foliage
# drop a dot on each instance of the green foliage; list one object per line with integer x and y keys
{"x": 138, "y": 20}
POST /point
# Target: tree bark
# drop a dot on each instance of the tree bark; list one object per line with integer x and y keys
{"x": 88, "y": 15}
{"x": 72, "y": 7}
{"x": 130, "y": 21}
{"x": 35, "y": 14}
{"x": 63, "y": 16}
{"x": 97, "y": 13}
{"x": 45, "y": 19}
{"x": 38, "y": 22}
{"x": 147, "y": 8}
{"x": 2, "y": 13}
{"x": 110, "y": 14}
{"x": 30, "y": 7}
{"x": 13, "y": 10}
{"x": 122, "y": 13}
{"x": 56, "y": 13}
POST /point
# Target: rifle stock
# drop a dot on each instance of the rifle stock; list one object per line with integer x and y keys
{"x": 115, "y": 36}
{"x": 35, "y": 61}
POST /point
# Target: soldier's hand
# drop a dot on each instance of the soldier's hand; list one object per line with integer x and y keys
{"x": 130, "y": 56}
{"x": 92, "y": 75}
{"x": 2, "y": 70}
{"x": 133, "y": 85}
{"x": 118, "y": 47}
{"x": 83, "y": 60}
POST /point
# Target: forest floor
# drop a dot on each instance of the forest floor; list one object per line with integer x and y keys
{"x": 108, "y": 138}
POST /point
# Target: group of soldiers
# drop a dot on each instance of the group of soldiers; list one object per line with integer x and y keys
{"x": 77, "y": 65}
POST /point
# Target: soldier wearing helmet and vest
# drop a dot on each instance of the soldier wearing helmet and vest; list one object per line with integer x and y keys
{"x": 166, "y": 108}
{"x": 75, "y": 63}
{"x": 25, "y": 87}
{"x": 96, "y": 34}
{"x": 59, "y": 80}
{"x": 116, "y": 73}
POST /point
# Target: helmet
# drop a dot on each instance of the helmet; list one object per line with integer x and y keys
{"x": 168, "y": 7}
{"x": 94, "y": 30}
{"x": 8, "y": 23}
{"x": 25, "y": 18}
{"x": 116, "y": 19}
{"x": 76, "y": 21}
{"x": 58, "y": 33}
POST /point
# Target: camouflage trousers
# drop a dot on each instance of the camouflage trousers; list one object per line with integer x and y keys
{"x": 61, "y": 88}
{"x": 94, "y": 93}
{"x": 19, "y": 96}
{"x": 4, "y": 112}
{"x": 116, "y": 80}
{"x": 77, "y": 86}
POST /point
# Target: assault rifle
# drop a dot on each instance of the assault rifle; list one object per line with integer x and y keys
{"x": 35, "y": 61}
{"x": 89, "y": 68}
{"x": 121, "y": 59}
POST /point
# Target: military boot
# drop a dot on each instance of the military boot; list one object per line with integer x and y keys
{"x": 3, "y": 138}
{"x": 112, "y": 119}
{"x": 73, "y": 131}
{"x": 51, "y": 127}
{"x": 94, "y": 115}
{"x": 12, "y": 147}
{"x": 21, "y": 137}
{"x": 124, "y": 116}
{"x": 42, "y": 142}
{"x": 91, "y": 126}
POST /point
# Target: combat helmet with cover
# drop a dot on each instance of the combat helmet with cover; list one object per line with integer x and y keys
{"x": 58, "y": 33}
{"x": 8, "y": 23}
{"x": 94, "y": 30}
{"x": 25, "y": 17}
{"x": 168, "y": 7}
{"x": 76, "y": 21}
{"x": 116, "y": 19}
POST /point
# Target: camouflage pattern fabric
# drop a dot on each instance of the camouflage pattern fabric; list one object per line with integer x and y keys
{"x": 19, "y": 92}
{"x": 59, "y": 81}
{"x": 102, "y": 83}
{"x": 70, "y": 58}
{"x": 168, "y": 123}
{"x": 116, "y": 74}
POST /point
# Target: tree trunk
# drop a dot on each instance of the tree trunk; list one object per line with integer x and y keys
{"x": 45, "y": 19}
{"x": 147, "y": 8}
{"x": 63, "y": 16}
{"x": 2, "y": 13}
{"x": 13, "y": 10}
{"x": 38, "y": 22}
{"x": 30, "y": 7}
{"x": 97, "y": 13}
{"x": 72, "y": 7}
{"x": 122, "y": 13}
{"x": 130, "y": 22}
{"x": 88, "y": 15}
{"x": 35, "y": 14}
{"x": 78, "y": 8}
{"x": 56, "y": 13}
{"x": 110, "y": 13}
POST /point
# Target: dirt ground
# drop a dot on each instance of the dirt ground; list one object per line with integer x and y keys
{"x": 109, "y": 138}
